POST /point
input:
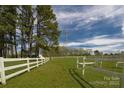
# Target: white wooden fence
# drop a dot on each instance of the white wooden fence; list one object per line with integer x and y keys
{"x": 120, "y": 75}
{"x": 117, "y": 63}
{"x": 30, "y": 64}
{"x": 84, "y": 63}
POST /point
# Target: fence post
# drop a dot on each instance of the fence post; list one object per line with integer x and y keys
{"x": 77, "y": 62}
{"x": 84, "y": 60}
{"x": 101, "y": 64}
{"x": 37, "y": 62}
{"x": 2, "y": 71}
{"x": 43, "y": 61}
{"x": 28, "y": 64}
{"x": 83, "y": 71}
{"x": 116, "y": 65}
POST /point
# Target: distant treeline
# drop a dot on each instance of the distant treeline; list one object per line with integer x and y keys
{"x": 67, "y": 51}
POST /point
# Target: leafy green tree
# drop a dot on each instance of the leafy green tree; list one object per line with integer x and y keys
{"x": 33, "y": 28}
{"x": 26, "y": 22}
{"x": 47, "y": 29}
{"x": 7, "y": 30}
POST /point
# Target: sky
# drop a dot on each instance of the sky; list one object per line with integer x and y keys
{"x": 91, "y": 27}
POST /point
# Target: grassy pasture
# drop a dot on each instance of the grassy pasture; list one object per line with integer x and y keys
{"x": 62, "y": 73}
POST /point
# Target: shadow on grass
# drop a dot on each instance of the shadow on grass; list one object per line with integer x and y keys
{"x": 83, "y": 83}
{"x": 75, "y": 78}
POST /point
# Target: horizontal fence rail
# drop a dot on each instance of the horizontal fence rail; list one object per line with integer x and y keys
{"x": 29, "y": 63}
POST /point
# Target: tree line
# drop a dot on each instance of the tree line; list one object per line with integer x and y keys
{"x": 70, "y": 51}
{"x": 27, "y": 30}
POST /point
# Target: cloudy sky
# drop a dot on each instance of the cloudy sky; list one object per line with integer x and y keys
{"x": 91, "y": 27}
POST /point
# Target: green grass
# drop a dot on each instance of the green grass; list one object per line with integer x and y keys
{"x": 96, "y": 79}
{"x": 112, "y": 66}
{"x": 55, "y": 74}
{"x": 51, "y": 75}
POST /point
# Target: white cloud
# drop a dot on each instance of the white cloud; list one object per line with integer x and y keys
{"x": 68, "y": 15}
{"x": 101, "y": 36}
{"x": 85, "y": 18}
{"x": 114, "y": 47}
{"x": 122, "y": 28}
{"x": 102, "y": 43}
{"x": 107, "y": 48}
{"x": 71, "y": 44}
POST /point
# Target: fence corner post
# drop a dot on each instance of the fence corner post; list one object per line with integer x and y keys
{"x": 28, "y": 64}
{"x": 2, "y": 71}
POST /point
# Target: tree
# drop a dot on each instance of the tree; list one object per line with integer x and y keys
{"x": 26, "y": 22}
{"x": 33, "y": 28}
{"x": 97, "y": 52}
{"x": 47, "y": 29}
{"x": 7, "y": 29}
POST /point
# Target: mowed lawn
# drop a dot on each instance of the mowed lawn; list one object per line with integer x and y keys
{"x": 56, "y": 74}
{"x": 50, "y": 75}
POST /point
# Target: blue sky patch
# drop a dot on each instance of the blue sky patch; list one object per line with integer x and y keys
{"x": 95, "y": 27}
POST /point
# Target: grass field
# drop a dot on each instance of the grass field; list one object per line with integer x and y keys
{"x": 62, "y": 73}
